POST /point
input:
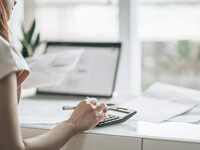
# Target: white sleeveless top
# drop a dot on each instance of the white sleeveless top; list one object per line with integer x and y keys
{"x": 11, "y": 60}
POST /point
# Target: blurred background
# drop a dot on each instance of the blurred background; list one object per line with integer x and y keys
{"x": 168, "y": 33}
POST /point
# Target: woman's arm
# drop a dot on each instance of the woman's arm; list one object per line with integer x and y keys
{"x": 19, "y": 88}
{"x": 10, "y": 137}
{"x": 86, "y": 115}
{"x": 53, "y": 139}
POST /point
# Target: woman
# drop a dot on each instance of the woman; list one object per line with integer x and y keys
{"x": 13, "y": 71}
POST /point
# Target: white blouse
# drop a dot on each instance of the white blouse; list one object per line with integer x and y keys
{"x": 11, "y": 60}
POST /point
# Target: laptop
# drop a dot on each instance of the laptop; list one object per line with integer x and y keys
{"x": 95, "y": 73}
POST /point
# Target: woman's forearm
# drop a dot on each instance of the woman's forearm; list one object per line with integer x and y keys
{"x": 53, "y": 139}
{"x": 88, "y": 114}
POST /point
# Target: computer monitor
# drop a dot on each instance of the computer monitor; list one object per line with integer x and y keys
{"x": 95, "y": 73}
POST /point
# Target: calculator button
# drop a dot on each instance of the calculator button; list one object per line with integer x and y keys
{"x": 109, "y": 121}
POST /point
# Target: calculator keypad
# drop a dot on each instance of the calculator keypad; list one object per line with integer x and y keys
{"x": 110, "y": 118}
{"x": 117, "y": 115}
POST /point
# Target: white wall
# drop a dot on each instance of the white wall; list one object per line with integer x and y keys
{"x": 15, "y": 23}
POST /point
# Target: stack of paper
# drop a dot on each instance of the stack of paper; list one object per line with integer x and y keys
{"x": 161, "y": 102}
{"x": 51, "y": 69}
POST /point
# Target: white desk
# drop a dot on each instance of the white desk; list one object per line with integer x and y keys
{"x": 131, "y": 135}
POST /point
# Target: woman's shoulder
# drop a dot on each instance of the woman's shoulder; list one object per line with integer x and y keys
{"x": 4, "y": 45}
{"x": 7, "y": 51}
{"x": 10, "y": 59}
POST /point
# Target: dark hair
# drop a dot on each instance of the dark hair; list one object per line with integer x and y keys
{"x": 3, "y": 22}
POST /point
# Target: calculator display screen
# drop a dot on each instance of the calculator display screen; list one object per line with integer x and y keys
{"x": 116, "y": 113}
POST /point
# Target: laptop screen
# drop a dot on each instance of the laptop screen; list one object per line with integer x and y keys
{"x": 94, "y": 74}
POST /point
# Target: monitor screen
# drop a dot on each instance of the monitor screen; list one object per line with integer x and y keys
{"x": 94, "y": 74}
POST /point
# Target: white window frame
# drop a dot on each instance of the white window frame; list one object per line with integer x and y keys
{"x": 129, "y": 77}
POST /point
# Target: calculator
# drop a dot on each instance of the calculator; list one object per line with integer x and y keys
{"x": 116, "y": 115}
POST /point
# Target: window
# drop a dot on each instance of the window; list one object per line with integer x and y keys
{"x": 170, "y": 34}
{"x": 74, "y": 20}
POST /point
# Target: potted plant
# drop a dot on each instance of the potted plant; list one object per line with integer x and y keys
{"x": 29, "y": 44}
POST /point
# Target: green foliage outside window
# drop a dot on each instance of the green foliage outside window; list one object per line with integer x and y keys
{"x": 176, "y": 62}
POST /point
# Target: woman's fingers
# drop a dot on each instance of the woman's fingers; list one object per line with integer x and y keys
{"x": 88, "y": 114}
{"x": 93, "y": 101}
{"x": 92, "y": 104}
{"x": 102, "y": 116}
{"x": 100, "y": 110}
{"x": 102, "y": 107}
{"x": 87, "y": 105}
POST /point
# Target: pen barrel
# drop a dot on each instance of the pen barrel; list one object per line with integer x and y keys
{"x": 68, "y": 108}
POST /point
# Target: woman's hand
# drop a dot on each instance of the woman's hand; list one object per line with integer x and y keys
{"x": 88, "y": 114}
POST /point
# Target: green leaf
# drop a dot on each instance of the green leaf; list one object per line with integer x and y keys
{"x": 36, "y": 43}
{"x": 28, "y": 43}
{"x": 30, "y": 33}
{"x": 30, "y": 50}
{"x": 24, "y": 33}
{"x": 27, "y": 47}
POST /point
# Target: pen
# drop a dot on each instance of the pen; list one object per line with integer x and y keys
{"x": 73, "y": 107}
{"x": 68, "y": 107}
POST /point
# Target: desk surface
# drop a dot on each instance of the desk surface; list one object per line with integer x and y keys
{"x": 168, "y": 131}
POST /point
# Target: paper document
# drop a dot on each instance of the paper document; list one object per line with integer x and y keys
{"x": 192, "y": 116}
{"x": 38, "y": 120}
{"x": 162, "y": 102}
{"x": 43, "y": 111}
{"x": 51, "y": 69}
